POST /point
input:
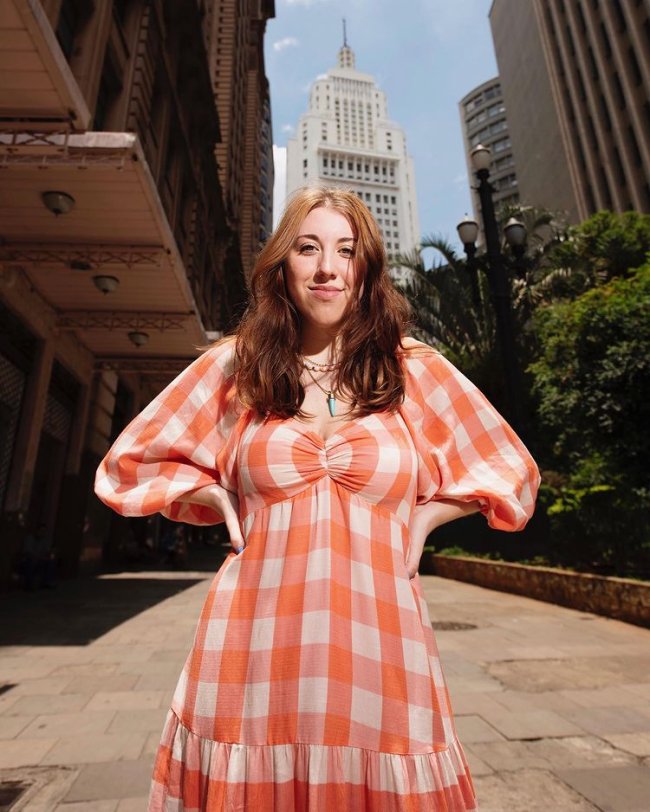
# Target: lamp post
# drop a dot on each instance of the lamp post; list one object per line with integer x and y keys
{"x": 468, "y": 233}
{"x": 497, "y": 276}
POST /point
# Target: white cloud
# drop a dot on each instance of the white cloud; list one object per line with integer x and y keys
{"x": 279, "y": 182}
{"x": 285, "y": 42}
{"x": 288, "y": 128}
{"x": 461, "y": 179}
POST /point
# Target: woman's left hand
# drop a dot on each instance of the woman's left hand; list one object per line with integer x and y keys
{"x": 422, "y": 523}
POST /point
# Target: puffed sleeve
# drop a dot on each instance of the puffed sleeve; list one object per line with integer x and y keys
{"x": 172, "y": 447}
{"x": 467, "y": 450}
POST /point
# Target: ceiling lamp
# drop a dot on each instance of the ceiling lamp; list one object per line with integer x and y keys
{"x": 58, "y": 202}
{"x": 107, "y": 284}
{"x": 80, "y": 265}
{"x": 138, "y": 338}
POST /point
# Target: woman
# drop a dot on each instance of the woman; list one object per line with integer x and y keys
{"x": 331, "y": 446}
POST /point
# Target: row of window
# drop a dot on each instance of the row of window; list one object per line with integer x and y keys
{"x": 370, "y": 171}
{"x": 504, "y": 163}
{"x": 480, "y": 98}
{"x": 489, "y": 112}
{"x": 506, "y": 182}
{"x": 486, "y": 132}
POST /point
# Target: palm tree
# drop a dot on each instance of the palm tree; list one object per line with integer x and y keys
{"x": 451, "y": 312}
{"x": 452, "y": 300}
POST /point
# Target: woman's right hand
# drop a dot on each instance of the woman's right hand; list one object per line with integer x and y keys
{"x": 224, "y": 502}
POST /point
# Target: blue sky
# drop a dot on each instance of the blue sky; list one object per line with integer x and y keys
{"x": 425, "y": 54}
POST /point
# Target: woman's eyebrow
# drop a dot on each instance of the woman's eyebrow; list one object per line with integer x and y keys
{"x": 317, "y": 238}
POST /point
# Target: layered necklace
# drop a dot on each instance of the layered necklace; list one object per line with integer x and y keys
{"x": 315, "y": 366}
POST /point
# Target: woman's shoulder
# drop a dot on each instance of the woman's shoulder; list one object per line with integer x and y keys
{"x": 219, "y": 357}
{"x": 427, "y": 368}
{"x": 412, "y": 351}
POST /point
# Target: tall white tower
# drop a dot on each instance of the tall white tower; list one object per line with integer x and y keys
{"x": 346, "y": 139}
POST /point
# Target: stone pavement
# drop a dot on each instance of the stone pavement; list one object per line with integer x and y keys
{"x": 552, "y": 705}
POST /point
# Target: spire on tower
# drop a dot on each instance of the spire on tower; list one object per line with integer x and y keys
{"x": 346, "y": 54}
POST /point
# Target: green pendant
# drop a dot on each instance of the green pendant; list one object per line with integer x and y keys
{"x": 331, "y": 403}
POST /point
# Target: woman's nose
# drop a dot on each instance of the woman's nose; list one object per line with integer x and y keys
{"x": 326, "y": 264}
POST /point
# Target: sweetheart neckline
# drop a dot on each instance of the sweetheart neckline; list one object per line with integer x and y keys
{"x": 343, "y": 427}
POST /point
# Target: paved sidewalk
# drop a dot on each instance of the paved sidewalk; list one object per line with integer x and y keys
{"x": 552, "y": 705}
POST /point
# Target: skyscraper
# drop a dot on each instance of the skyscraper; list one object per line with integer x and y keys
{"x": 346, "y": 139}
{"x": 483, "y": 118}
{"x": 576, "y": 83}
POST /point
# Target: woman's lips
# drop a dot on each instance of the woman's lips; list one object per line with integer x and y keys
{"x": 326, "y": 293}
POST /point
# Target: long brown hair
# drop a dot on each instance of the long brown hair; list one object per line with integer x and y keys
{"x": 268, "y": 344}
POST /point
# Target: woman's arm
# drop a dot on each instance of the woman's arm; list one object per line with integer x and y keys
{"x": 225, "y": 503}
{"x": 428, "y": 517}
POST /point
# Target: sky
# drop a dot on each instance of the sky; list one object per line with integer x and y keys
{"x": 424, "y": 54}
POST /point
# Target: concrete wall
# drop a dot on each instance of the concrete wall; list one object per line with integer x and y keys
{"x": 620, "y": 598}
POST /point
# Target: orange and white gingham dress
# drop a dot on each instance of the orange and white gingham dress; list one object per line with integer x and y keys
{"x": 314, "y": 681}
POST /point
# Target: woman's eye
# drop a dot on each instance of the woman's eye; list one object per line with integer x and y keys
{"x": 307, "y": 248}
{"x": 347, "y": 251}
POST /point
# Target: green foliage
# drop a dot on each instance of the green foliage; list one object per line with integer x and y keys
{"x": 592, "y": 381}
{"x": 455, "y": 551}
{"x": 604, "y": 247}
{"x": 580, "y": 302}
{"x": 593, "y": 375}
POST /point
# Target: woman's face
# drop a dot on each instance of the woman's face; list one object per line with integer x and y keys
{"x": 320, "y": 269}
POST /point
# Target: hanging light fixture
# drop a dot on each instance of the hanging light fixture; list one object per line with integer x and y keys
{"x": 138, "y": 338}
{"x": 107, "y": 284}
{"x": 58, "y": 202}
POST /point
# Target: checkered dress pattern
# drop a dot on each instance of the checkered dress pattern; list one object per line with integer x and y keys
{"x": 314, "y": 681}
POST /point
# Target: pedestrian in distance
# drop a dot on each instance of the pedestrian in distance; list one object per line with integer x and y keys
{"x": 331, "y": 445}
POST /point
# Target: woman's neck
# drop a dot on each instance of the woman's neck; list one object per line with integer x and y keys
{"x": 319, "y": 345}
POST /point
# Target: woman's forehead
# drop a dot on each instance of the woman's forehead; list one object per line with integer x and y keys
{"x": 328, "y": 220}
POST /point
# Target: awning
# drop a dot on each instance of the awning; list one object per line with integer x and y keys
{"x": 117, "y": 227}
{"x": 36, "y": 82}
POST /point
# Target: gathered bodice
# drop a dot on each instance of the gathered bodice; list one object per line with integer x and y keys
{"x": 371, "y": 456}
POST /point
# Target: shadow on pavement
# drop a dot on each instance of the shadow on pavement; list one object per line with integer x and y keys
{"x": 78, "y": 612}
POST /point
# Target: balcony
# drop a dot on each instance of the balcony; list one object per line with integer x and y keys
{"x": 36, "y": 83}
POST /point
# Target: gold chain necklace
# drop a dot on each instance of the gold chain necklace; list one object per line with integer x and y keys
{"x": 329, "y": 394}
{"x": 319, "y": 367}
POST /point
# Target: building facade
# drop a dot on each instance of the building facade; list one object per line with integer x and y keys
{"x": 118, "y": 257}
{"x": 346, "y": 139}
{"x": 576, "y": 83}
{"x": 483, "y": 120}
{"x": 234, "y": 34}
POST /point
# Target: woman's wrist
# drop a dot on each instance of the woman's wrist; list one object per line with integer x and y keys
{"x": 207, "y": 495}
{"x": 442, "y": 511}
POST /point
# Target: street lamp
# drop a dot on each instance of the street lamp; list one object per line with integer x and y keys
{"x": 497, "y": 276}
{"x": 468, "y": 233}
